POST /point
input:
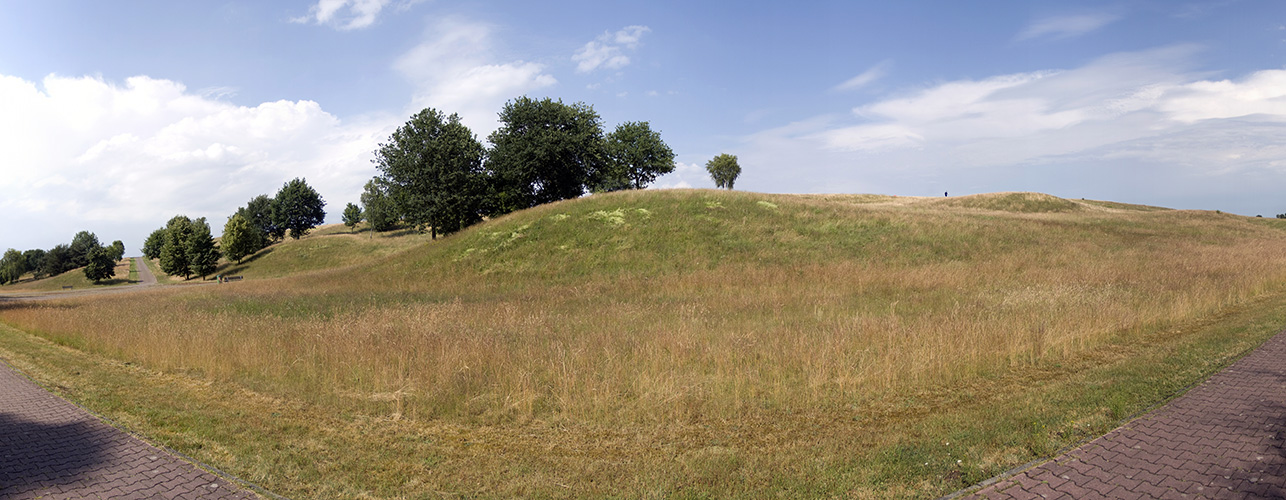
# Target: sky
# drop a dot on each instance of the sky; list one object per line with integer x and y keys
{"x": 116, "y": 116}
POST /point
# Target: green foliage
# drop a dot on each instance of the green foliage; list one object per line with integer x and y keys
{"x": 35, "y": 260}
{"x": 297, "y": 208}
{"x": 203, "y": 257}
{"x": 12, "y": 266}
{"x": 81, "y": 245}
{"x": 352, "y": 215}
{"x": 118, "y": 250}
{"x": 544, "y": 151}
{"x": 724, "y": 170}
{"x": 174, "y": 254}
{"x": 635, "y": 156}
{"x": 378, "y": 206}
{"x": 258, "y": 211}
{"x": 152, "y": 246}
{"x": 57, "y": 260}
{"x": 433, "y": 168}
{"x": 240, "y": 238}
{"x": 99, "y": 264}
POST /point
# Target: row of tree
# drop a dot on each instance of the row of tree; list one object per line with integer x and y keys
{"x": 98, "y": 261}
{"x": 435, "y": 175}
{"x": 186, "y": 248}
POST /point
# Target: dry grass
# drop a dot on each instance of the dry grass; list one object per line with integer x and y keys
{"x": 728, "y": 332}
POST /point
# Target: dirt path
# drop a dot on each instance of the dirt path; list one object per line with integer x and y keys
{"x": 1223, "y": 439}
{"x": 145, "y": 276}
{"x": 52, "y": 449}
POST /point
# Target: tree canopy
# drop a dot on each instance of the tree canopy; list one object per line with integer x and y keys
{"x": 635, "y": 156}
{"x": 152, "y": 246}
{"x": 377, "y": 205}
{"x": 203, "y": 256}
{"x": 239, "y": 239}
{"x": 99, "y": 264}
{"x": 544, "y": 151}
{"x": 724, "y": 170}
{"x": 352, "y": 216}
{"x": 432, "y": 167}
{"x": 81, "y": 244}
{"x": 12, "y": 266}
{"x": 297, "y": 208}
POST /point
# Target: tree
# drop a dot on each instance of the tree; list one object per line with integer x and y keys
{"x": 377, "y": 206}
{"x": 81, "y": 244}
{"x": 12, "y": 266}
{"x": 57, "y": 260}
{"x": 240, "y": 239}
{"x": 118, "y": 250}
{"x": 635, "y": 156}
{"x": 352, "y": 215}
{"x": 35, "y": 260}
{"x": 298, "y": 208}
{"x": 100, "y": 265}
{"x": 155, "y": 241}
{"x": 174, "y": 254}
{"x": 724, "y": 170}
{"x": 258, "y": 211}
{"x": 544, "y": 151}
{"x": 433, "y": 168}
{"x": 203, "y": 256}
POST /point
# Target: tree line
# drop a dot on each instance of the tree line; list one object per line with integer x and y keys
{"x": 435, "y": 175}
{"x": 84, "y": 251}
{"x": 186, "y": 247}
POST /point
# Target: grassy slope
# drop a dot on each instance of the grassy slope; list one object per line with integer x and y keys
{"x": 74, "y": 278}
{"x": 687, "y": 344}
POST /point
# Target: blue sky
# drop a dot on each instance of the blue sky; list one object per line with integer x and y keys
{"x": 116, "y": 116}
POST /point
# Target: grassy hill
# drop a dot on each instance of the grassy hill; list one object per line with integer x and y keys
{"x": 75, "y": 278}
{"x": 688, "y": 344}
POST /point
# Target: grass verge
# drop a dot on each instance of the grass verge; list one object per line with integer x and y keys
{"x": 916, "y": 445}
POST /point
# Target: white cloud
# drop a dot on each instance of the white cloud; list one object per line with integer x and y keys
{"x": 455, "y": 71}
{"x": 347, "y": 14}
{"x": 866, "y": 78}
{"x": 1068, "y": 26}
{"x": 608, "y": 50}
{"x": 82, "y": 153}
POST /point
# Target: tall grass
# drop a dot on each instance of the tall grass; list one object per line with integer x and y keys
{"x": 693, "y": 306}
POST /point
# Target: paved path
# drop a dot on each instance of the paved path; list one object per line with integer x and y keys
{"x": 52, "y": 449}
{"x": 145, "y": 276}
{"x": 1223, "y": 439}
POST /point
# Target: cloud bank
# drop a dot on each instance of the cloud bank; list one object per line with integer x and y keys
{"x": 85, "y": 153}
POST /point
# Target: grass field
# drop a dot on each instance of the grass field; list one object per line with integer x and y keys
{"x": 684, "y": 344}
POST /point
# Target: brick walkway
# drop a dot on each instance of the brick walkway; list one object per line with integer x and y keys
{"x": 52, "y": 449}
{"x": 1223, "y": 439}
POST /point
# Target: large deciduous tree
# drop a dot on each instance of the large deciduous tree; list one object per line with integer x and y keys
{"x": 297, "y": 208}
{"x": 258, "y": 211}
{"x": 433, "y": 169}
{"x": 174, "y": 253}
{"x": 35, "y": 259}
{"x": 118, "y": 250}
{"x": 544, "y": 151}
{"x": 81, "y": 244}
{"x": 99, "y": 264}
{"x": 57, "y": 260}
{"x": 154, "y": 243}
{"x": 724, "y": 170}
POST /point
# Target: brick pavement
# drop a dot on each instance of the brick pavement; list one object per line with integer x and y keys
{"x": 1222, "y": 439}
{"x": 52, "y": 449}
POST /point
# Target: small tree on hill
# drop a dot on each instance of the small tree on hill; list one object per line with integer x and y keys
{"x": 377, "y": 206}
{"x": 259, "y": 212}
{"x": 352, "y": 216}
{"x": 724, "y": 170}
{"x": 57, "y": 260}
{"x": 100, "y": 265}
{"x": 297, "y": 208}
{"x": 118, "y": 250}
{"x": 239, "y": 238}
